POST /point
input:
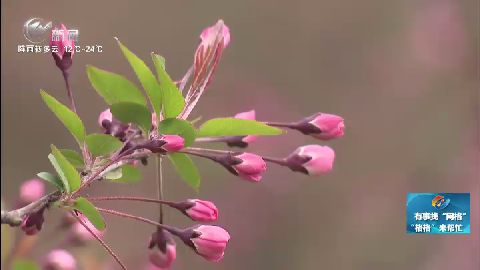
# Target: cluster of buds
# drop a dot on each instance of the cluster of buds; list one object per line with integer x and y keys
{"x": 208, "y": 241}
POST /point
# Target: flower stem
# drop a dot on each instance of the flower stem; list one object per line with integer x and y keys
{"x": 171, "y": 229}
{"x": 279, "y": 124}
{"x": 127, "y": 198}
{"x": 279, "y": 161}
{"x": 159, "y": 176}
{"x": 109, "y": 250}
{"x": 66, "y": 76}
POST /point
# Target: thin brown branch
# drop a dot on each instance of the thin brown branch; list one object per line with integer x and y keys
{"x": 14, "y": 217}
{"x": 109, "y": 250}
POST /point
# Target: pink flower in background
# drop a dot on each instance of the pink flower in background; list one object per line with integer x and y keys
{"x": 31, "y": 191}
{"x": 80, "y": 234}
{"x": 202, "y": 211}
{"x": 249, "y": 115}
{"x": 173, "y": 143}
{"x": 312, "y": 159}
{"x": 251, "y": 167}
{"x": 210, "y": 242}
{"x": 59, "y": 259}
{"x": 438, "y": 35}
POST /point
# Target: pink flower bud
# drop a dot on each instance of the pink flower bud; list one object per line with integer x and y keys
{"x": 209, "y": 34}
{"x": 202, "y": 211}
{"x": 173, "y": 143}
{"x": 31, "y": 191}
{"x": 312, "y": 159}
{"x": 251, "y": 167}
{"x": 210, "y": 242}
{"x": 104, "y": 118}
{"x": 59, "y": 259}
{"x": 331, "y": 126}
{"x": 163, "y": 249}
{"x": 33, "y": 222}
{"x": 322, "y": 126}
{"x": 62, "y": 47}
{"x": 161, "y": 259}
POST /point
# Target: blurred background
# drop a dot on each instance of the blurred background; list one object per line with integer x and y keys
{"x": 403, "y": 74}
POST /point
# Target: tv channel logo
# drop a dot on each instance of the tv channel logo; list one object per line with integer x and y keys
{"x": 438, "y": 213}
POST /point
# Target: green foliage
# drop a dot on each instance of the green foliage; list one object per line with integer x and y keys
{"x": 52, "y": 179}
{"x": 68, "y": 174}
{"x": 114, "y": 88}
{"x": 186, "y": 169}
{"x": 127, "y": 174}
{"x": 7, "y": 234}
{"x": 129, "y": 112}
{"x": 146, "y": 78}
{"x": 89, "y": 211}
{"x": 178, "y": 127}
{"x": 235, "y": 127}
{"x": 102, "y": 144}
{"x": 173, "y": 101}
{"x": 24, "y": 264}
{"x": 73, "y": 157}
{"x": 69, "y": 119}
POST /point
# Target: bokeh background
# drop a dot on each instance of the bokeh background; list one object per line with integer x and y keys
{"x": 404, "y": 74}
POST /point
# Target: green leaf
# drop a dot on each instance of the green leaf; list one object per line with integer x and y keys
{"x": 128, "y": 174}
{"x": 186, "y": 169}
{"x": 7, "y": 234}
{"x": 90, "y": 212}
{"x": 114, "y": 88}
{"x": 173, "y": 101}
{"x": 235, "y": 127}
{"x": 67, "y": 172}
{"x": 52, "y": 179}
{"x": 69, "y": 119}
{"x": 24, "y": 264}
{"x": 146, "y": 78}
{"x": 178, "y": 127}
{"x": 102, "y": 144}
{"x": 129, "y": 112}
{"x": 73, "y": 157}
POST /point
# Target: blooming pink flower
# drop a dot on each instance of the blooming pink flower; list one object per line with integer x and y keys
{"x": 251, "y": 167}
{"x": 331, "y": 126}
{"x": 31, "y": 191}
{"x": 210, "y": 242}
{"x": 312, "y": 159}
{"x": 173, "y": 143}
{"x": 59, "y": 259}
{"x": 249, "y": 115}
{"x": 105, "y": 116}
{"x": 202, "y": 211}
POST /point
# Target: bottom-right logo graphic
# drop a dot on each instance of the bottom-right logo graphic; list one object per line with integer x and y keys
{"x": 438, "y": 213}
